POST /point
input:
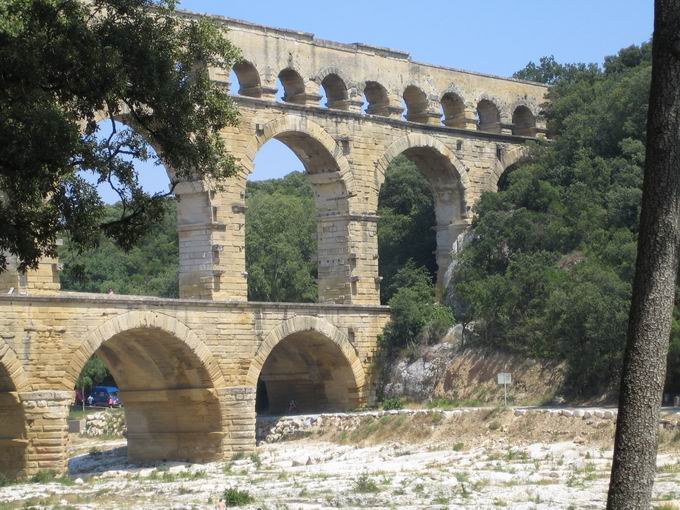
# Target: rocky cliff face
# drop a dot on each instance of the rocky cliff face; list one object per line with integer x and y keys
{"x": 446, "y": 371}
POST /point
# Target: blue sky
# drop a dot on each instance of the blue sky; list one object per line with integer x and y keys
{"x": 490, "y": 36}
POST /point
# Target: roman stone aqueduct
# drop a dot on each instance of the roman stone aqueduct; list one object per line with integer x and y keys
{"x": 188, "y": 368}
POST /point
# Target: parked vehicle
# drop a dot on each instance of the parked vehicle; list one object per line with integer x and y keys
{"x": 106, "y": 396}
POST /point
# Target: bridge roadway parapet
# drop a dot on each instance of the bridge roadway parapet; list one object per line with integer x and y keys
{"x": 190, "y": 372}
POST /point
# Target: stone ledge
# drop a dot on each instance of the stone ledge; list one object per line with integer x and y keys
{"x": 116, "y": 299}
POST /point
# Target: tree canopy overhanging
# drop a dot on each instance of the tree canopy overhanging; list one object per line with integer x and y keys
{"x": 65, "y": 66}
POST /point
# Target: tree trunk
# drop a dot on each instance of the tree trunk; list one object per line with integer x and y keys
{"x": 649, "y": 325}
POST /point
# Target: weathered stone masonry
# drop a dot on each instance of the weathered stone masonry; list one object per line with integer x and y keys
{"x": 191, "y": 370}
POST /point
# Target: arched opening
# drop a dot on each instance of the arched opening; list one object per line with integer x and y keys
{"x": 377, "y": 98}
{"x": 167, "y": 394}
{"x": 453, "y": 109}
{"x": 12, "y": 428}
{"x": 293, "y": 86}
{"x": 247, "y": 80}
{"x": 504, "y": 179}
{"x": 281, "y": 228}
{"x": 306, "y": 373}
{"x": 406, "y": 223}
{"x": 335, "y": 90}
{"x": 523, "y": 122}
{"x": 421, "y": 209}
{"x": 150, "y": 268}
{"x": 294, "y": 222}
{"x": 416, "y": 104}
{"x": 488, "y": 117}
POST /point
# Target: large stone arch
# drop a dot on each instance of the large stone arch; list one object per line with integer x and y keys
{"x": 301, "y": 324}
{"x": 306, "y": 365}
{"x": 510, "y": 155}
{"x": 169, "y": 383}
{"x": 96, "y": 337}
{"x": 414, "y": 141}
{"x": 449, "y": 181}
{"x": 293, "y": 124}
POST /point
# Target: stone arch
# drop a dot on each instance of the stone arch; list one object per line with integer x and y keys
{"x": 377, "y": 97}
{"x": 302, "y": 329}
{"x": 169, "y": 383}
{"x": 294, "y": 87}
{"x": 94, "y": 339}
{"x": 414, "y": 141}
{"x": 124, "y": 117}
{"x": 299, "y": 324}
{"x": 16, "y": 377}
{"x": 417, "y": 104}
{"x": 337, "y": 91}
{"x": 523, "y": 121}
{"x": 248, "y": 79}
{"x": 305, "y": 138}
{"x": 509, "y": 157}
{"x": 489, "y": 115}
{"x": 449, "y": 183}
{"x": 13, "y": 423}
{"x": 453, "y": 109}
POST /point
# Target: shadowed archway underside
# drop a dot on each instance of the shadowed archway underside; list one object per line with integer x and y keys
{"x": 171, "y": 407}
{"x": 306, "y": 372}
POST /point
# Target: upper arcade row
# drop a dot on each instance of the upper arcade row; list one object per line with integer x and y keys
{"x": 377, "y": 81}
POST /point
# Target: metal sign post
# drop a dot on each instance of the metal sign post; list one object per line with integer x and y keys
{"x": 505, "y": 378}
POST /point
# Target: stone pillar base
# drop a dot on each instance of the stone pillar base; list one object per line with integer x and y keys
{"x": 46, "y": 415}
{"x": 238, "y": 419}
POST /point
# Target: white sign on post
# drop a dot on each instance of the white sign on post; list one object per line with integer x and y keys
{"x": 505, "y": 378}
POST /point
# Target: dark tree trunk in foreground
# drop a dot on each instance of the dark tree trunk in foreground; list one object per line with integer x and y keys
{"x": 651, "y": 310}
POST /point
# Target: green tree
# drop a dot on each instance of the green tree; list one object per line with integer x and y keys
{"x": 150, "y": 268}
{"x": 416, "y": 318}
{"x": 65, "y": 64}
{"x": 406, "y": 217}
{"x": 92, "y": 374}
{"x": 281, "y": 240}
{"x": 549, "y": 266}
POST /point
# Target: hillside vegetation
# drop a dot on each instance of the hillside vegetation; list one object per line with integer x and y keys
{"x": 549, "y": 267}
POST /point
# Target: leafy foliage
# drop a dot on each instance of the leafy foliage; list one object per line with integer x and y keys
{"x": 150, "y": 268}
{"x": 281, "y": 240}
{"x": 67, "y": 64}
{"x": 416, "y": 317}
{"x": 93, "y": 373}
{"x": 549, "y": 268}
{"x": 236, "y": 497}
{"x": 406, "y": 218}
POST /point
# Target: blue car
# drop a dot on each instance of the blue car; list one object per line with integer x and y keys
{"x": 105, "y": 396}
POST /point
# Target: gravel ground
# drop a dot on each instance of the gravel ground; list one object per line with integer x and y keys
{"x": 491, "y": 472}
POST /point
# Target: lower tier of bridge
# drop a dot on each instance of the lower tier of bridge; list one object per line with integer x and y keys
{"x": 192, "y": 374}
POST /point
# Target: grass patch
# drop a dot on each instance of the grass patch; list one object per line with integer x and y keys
{"x": 236, "y": 497}
{"x": 669, "y": 468}
{"x": 392, "y": 403}
{"x": 364, "y": 484}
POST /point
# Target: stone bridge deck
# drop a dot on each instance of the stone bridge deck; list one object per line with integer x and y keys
{"x": 188, "y": 370}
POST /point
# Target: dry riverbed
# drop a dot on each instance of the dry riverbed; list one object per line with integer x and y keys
{"x": 484, "y": 459}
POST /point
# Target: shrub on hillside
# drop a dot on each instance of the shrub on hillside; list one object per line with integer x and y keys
{"x": 416, "y": 317}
